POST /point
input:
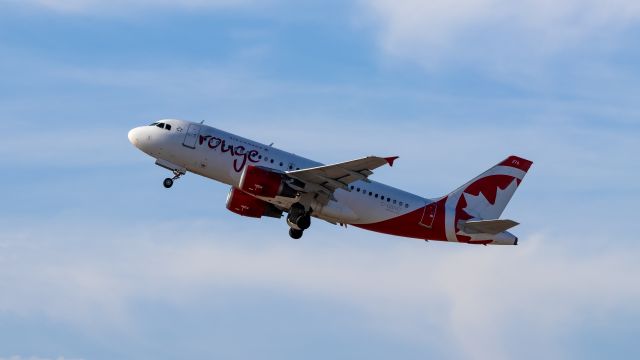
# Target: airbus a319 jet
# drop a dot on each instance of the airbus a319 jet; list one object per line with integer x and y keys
{"x": 266, "y": 181}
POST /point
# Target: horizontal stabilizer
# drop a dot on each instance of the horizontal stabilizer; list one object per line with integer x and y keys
{"x": 486, "y": 226}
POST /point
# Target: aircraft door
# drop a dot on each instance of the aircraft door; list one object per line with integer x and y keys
{"x": 429, "y": 215}
{"x": 192, "y": 136}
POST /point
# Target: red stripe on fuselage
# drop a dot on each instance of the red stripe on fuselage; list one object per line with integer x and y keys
{"x": 408, "y": 225}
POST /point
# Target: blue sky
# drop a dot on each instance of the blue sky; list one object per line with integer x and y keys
{"x": 99, "y": 261}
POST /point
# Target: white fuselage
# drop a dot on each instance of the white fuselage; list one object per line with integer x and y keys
{"x": 222, "y": 156}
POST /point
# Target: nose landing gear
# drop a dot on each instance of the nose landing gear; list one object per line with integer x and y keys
{"x": 168, "y": 182}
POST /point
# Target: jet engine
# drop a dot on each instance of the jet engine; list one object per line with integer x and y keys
{"x": 263, "y": 182}
{"x": 244, "y": 204}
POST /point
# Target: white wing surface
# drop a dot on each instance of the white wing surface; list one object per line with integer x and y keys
{"x": 328, "y": 178}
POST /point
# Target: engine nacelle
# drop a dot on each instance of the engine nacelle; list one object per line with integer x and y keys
{"x": 244, "y": 204}
{"x": 262, "y": 182}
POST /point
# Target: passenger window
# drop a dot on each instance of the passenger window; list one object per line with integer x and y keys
{"x": 394, "y": 202}
{"x": 400, "y": 203}
{"x": 376, "y": 196}
{"x": 271, "y": 161}
{"x": 351, "y": 187}
{"x": 358, "y": 189}
{"x": 280, "y": 163}
{"x": 388, "y": 199}
{"x": 259, "y": 156}
{"x": 370, "y": 193}
{"x": 406, "y": 206}
{"x": 381, "y": 197}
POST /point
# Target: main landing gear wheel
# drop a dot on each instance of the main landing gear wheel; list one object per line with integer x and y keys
{"x": 295, "y": 233}
{"x": 299, "y": 217}
{"x": 304, "y": 222}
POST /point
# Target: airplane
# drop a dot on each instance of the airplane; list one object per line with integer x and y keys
{"x": 266, "y": 181}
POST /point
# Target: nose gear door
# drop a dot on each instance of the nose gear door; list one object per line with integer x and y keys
{"x": 192, "y": 136}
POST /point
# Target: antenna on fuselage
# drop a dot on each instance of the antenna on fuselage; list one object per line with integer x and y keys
{"x": 201, "y": 122}
{"x": 270, "y": 145}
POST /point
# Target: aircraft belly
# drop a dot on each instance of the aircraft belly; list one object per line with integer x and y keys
{"x": 337, "y": 211}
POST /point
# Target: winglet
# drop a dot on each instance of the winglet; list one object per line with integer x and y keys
{"x": 391, "y": 159}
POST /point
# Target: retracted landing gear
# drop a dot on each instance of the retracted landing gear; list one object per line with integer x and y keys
{"x": 298, "y": 220}
{"x": 168, "y": 182}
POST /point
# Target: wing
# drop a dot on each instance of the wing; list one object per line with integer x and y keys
{"x": 328, "y": 178}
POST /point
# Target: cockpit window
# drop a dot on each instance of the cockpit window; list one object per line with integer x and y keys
{"x": 161, "y": 125}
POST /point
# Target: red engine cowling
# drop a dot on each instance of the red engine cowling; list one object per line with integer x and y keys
{"x": 244, "y": 204}
{"x": 262, "y": 182}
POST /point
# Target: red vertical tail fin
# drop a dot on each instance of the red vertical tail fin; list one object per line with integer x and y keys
{"x": 484, "y": 198}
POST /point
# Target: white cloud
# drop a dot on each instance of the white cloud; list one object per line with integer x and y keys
{"x": 111, "y": 6}
{"x": 476, "y": 295}
{"x": 500, "y": 34}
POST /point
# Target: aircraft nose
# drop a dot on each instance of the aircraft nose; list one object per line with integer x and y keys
{"x": 133, "y": 136}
